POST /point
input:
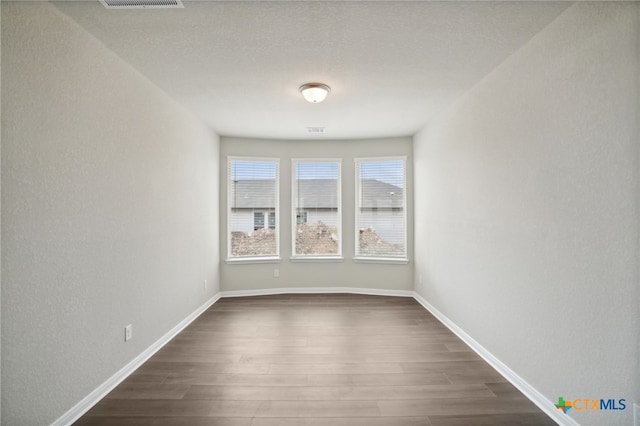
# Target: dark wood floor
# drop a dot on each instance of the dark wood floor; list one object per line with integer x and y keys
{"x": 315, "y": 360}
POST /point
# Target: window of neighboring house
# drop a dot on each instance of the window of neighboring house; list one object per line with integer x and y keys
{"x": 381, "y": 214}
{"x": 316, "y": 212}
{"x": 252, "y": 207}
{"x": 301, "y": 217}
{"x": 258, "y": 220}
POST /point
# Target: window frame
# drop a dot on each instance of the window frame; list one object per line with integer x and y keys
{"x": 272, "y": 258}
{"x": 256, "y": 221}
{"x": 337, "y": 257}
{"x": 357, "y": 207}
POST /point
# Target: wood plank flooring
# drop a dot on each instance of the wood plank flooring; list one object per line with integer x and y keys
{"x": 315, "y": 360}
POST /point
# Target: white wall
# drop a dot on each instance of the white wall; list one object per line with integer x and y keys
{"x": 346, "y": 274}
{"x": 0, "y": 211}
{"x": 526, "y": 201}
{"x": 109, "y": 213}
{"x": 637, "y": 301}
{"x": 243, "y": 221}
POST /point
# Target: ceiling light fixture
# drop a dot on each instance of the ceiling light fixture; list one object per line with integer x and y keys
{"x": 142, "y": 4}
{"x": 314, "y": 92}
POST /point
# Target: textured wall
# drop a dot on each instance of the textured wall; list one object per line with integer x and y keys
{"x": 346, "y": 274}
{"x": 0, "y": 212}
{"x": 637, "y": 298}
{"x": 527, "y": 199}
{"x": 109, "y": 213}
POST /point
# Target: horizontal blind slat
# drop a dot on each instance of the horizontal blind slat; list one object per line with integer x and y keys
{"x": 316, "y": 208}
{"x": 381, "y": 215}
{"x": 253, "y": 188}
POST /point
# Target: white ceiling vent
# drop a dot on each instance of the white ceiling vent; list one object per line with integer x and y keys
{"x": 316, "y": 130}
{"x": 142, "y": 4}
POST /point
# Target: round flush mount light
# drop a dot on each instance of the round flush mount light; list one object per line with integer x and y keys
{"x": 314, "y": 92}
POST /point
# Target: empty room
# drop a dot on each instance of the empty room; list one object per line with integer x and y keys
{"x": 385, "y": 213}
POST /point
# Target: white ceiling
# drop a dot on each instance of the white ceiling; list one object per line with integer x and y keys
{"x": 391, "y": 65}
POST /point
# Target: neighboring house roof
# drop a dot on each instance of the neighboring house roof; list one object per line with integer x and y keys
{"x": 253, "y": 194}
{"x": 317, "y": 194}
{"x": 313, "y": 194}
{"x": 378, "y": 194}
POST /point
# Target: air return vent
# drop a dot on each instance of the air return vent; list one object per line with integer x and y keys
{"x": 142, "y": 4}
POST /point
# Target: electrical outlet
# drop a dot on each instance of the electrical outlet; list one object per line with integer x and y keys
{"x": 205, "y": 284}
{"x": 276, "y": 273}
{"x": 128, "y": 332}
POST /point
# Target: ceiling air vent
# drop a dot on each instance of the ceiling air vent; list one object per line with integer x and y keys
{"x": 142, "y": 4}
{"x": 316, "y": 130}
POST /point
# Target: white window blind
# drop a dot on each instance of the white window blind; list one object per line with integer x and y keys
{"x": 316, "y": 214}
{"x": 381, "y": 217}
{"x": 253, "y": 207}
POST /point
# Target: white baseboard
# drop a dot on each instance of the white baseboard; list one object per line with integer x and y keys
{"x": 101, "y": 391}
{"x": 529, "y": 391}
{"x": 318, "y": 290}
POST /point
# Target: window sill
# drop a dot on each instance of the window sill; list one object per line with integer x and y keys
{"x": 246, "y": 260}
{"x": 316, "y": 259}
{"x": 389, "y": 260}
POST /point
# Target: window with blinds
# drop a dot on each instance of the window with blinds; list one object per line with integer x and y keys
{"x": 316, "y": 208}
{"x": 253, "y": 207}
{"x": 381, "y": 214}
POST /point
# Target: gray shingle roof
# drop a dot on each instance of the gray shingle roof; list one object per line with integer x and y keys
{"x": 313, "y": 193}
{"x": 317, "y": 193}
{"x": 252, "y": 194}
{"x": 377, "y": 194}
